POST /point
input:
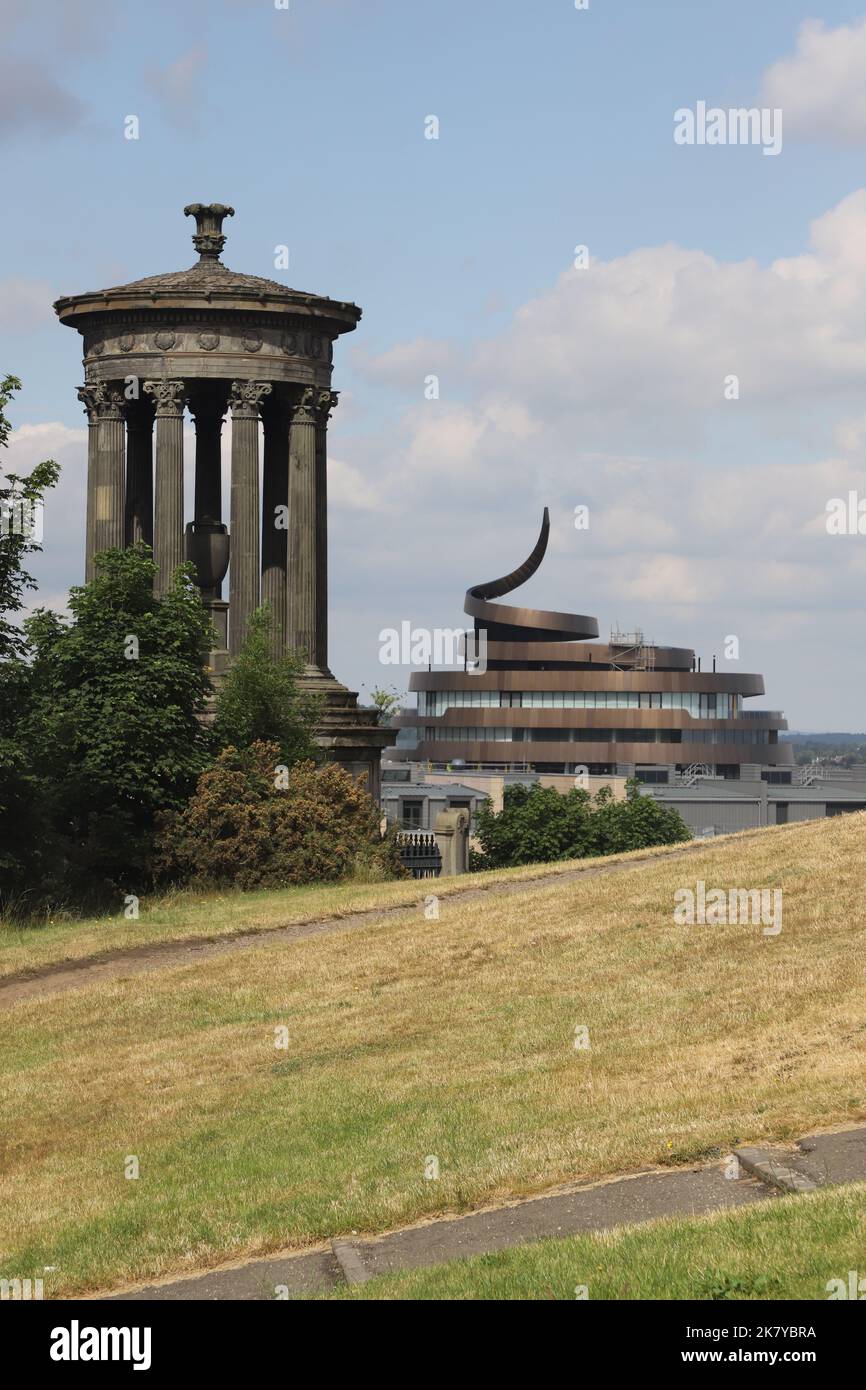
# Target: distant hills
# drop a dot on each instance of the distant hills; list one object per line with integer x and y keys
{"x": 845, "y": 750}
{"x": 797, "y": 736}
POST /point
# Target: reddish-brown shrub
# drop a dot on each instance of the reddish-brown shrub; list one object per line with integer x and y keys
{"x": 250, "y": 826}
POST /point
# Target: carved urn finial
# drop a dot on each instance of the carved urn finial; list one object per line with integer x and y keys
{"x": 209, "y": 239}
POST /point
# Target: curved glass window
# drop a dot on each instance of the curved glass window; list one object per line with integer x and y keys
{"x": 438, "y": 733}
{"x": 711, "y": 705}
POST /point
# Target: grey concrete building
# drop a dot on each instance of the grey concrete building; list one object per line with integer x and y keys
{"x": 416, "y": 805}
{"x": 413, "y": 794}
{"x": 714, "y": 806}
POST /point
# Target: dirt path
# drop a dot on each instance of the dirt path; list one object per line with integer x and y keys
{"x": 61, "y": 976}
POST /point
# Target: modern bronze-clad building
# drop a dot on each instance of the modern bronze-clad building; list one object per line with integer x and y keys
{"x": 548, "y": 696}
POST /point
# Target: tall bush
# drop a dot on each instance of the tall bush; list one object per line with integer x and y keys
{"x": 540, "y": 825}
{"x": 261, "y": 700}
{"x": 255, "y": 823}
{"x": 110, "y": 733}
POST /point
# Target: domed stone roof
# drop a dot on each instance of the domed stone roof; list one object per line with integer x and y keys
{"x": 208, "y": 277}
{"x": 209, "y": 283}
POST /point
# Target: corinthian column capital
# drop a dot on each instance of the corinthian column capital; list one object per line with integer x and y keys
{"x": 89, "y": 396}
{"x": 314, "y": 406}
{"x": 246, "y": 397}
{"x": 306, "y": 406}
{"x": 101, "y": 401}
{"x": 326, "y": 402}
{"x": 168, "y": 396}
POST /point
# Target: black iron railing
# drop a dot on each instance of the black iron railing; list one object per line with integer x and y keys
{"x": 420, "y": 853}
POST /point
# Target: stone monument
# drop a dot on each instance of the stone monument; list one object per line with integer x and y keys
{"x": 214, "y": 341}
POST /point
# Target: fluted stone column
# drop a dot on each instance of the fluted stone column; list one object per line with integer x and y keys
{"x": 168, "y": 398}
{"x": 327, "y": 401}
{"x": 302, "y": 586}
{"x": 89, "y": 397}
{"x": 277, "y": 415}
{"x": 105, "y": 465}
{"x": 245, "y": 400}
{"x": 139, "y": 472}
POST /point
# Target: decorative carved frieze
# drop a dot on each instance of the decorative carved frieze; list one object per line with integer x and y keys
{"x": 296, "y": 343}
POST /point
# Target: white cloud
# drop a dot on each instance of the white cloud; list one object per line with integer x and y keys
{"x": 25, "y": 303}
{"x": 347, "y": 488}
{"x": 178, "y": 85}
{"x": 407, "y": 365}
{"x": 651, "y": 336}
{"x": 29, "y": 444}
{"x": 632, "y": 526}
{"x": 664, "y": 579}
{"x": 609, "y": 386}
{"x": 821, "y": 87}
{"x": 707, "y": 516}
{"x": 61, "y": 562}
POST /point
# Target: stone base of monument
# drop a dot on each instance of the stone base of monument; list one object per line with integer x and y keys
{"x": 218, "y": 659}
{"x": 218, "y": 662}
{"x": 351, "y": 736}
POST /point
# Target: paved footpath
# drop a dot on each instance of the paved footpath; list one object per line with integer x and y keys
{"x": 818, "y": 1161}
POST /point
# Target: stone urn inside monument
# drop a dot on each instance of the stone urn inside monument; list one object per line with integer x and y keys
{"x": 208, "y": 547}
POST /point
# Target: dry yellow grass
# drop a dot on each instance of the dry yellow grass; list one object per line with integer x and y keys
{"x": 191, "y": 916}
{"x": 411, "y": 1038}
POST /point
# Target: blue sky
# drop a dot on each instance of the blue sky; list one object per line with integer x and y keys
{"x": 557, "y": 386}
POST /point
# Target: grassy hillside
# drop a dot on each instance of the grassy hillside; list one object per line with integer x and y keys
{"x": 409, "y": 1038}
{"x": 204, "y": 916}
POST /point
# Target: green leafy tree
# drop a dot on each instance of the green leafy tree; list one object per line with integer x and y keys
{"x": 21, "y": 828}
{"x": 254, "y": 824}
{"x": 387, "y": 702}
{"x": 19, "y": 497}
{"x": 113, "y": 733}
{"x": 536, "y": 825}
{"x": 540, "y": 825}
{"x": 261, "y": 699}
{"x": 25, "y": 842}
{"x": 638, "y": 822}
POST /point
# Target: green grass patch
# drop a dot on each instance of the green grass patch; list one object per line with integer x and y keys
{"x": 788, "y": 1248}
